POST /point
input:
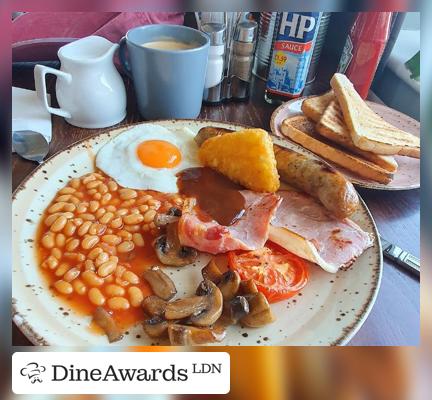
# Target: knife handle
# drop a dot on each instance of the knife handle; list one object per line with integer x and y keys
{"x": 403, "y": 258}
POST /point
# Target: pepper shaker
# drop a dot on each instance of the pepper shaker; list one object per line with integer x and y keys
{"x": 215, "y": 66}
{"x": 242, "y": 59}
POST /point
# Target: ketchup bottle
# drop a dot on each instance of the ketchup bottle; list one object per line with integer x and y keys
{"x": 364, "y": 47}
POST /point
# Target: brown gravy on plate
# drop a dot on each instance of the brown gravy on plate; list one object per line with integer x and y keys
{"x": 216, "y": 195}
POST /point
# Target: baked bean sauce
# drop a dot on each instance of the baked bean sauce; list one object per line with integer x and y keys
{"x": 217, "y": 196}
{"x": 95, "y": 240}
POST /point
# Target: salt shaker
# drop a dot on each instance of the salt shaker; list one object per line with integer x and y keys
{"x": 215, "y": 66}
{"x": 242, "y": 59}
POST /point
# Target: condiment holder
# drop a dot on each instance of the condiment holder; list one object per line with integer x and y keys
{"x": 213, "y": 92}
{"x": 229, "y": 79}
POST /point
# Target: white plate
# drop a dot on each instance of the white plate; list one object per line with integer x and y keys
{"x": 329, "y": 310}
{"x": 408, "y": 174}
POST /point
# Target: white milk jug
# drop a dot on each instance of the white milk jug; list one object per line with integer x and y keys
{"x": 89, "y": 89}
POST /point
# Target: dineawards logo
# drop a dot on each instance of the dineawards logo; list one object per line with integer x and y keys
{"x": 121, "y": 373}
{"x": 33, "y": 371}
{"x": 61, "y": 373}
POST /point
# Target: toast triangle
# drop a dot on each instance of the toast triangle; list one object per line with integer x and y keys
{"x": 313, "y": 107}
{"x": 368, "y": 130}
{"x": 332, "y": 126}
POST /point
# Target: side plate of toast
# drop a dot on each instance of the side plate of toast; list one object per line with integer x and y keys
{"x": 375, "y": 146}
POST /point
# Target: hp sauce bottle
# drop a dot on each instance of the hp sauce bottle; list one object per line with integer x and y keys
{"x": 292, "y": 53}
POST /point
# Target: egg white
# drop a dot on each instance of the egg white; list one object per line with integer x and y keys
{"x": 118, "y": 158}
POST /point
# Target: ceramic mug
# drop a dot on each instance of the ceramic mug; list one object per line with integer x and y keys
{"x": 168, "y": 83}
{"x": 89, "y": 89}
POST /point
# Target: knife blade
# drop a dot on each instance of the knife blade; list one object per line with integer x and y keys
{"x": 400, "y": 257}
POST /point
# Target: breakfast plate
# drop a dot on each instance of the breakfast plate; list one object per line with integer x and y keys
{"x": 329, "y": 310}
{"x": 408, "y": 173}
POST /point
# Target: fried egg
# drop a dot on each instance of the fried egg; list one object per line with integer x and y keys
{"x": 148, "y": 157}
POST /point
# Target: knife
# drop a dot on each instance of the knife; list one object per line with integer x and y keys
{"x": 401, "y": 257}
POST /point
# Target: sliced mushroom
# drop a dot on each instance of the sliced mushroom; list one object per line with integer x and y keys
{"x": 211, "y": 271}
{"x": 171, "y": 216}
{"x": 258, "y": 320}
{"x": 104, "y": 319}
{"x": 260, "y": 313}
{"x": 247, "y": 287}
{"x": 234, "y": 310}
{"x": 184, "y": 335}
{"x": 155, "y": 327}
{"x": 229, "y": 284}
{"x": 160, "y": 282}
{"x": 186, "y": 307}
{"x": 214, "y": 306}
{"x": 169, "y": 250}
{"x": 154, "y": 306}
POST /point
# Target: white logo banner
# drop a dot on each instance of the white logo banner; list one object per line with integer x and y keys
{"x": 120, "y": 373}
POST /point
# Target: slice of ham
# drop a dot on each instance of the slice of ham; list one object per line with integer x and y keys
{"x": 250, "y": 232}
{"x": 303, "y": 226}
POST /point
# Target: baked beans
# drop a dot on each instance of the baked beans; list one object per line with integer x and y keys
{"x": 88, "y": 217}
{"x": 94, "y": 253}
{"x": 106, "y": 198}
{"x": 60, "y": 239}
{"x": 97, "y": 229}
{"x": 95, "y": 241}
{"x": 138, "y": 239}
{"x": 51, "y": 262}
{"x": 74, "y": 183}
{"x": 84, "y": 228}
{"x": 130, "y": 277}
{"x": 58, "y": 224}
{"x": 132, "y": 228}
{"x": 101, "y": 258}
{"x": 72, "y": 274}
{"x": 56, "y": 207}
{"x": 96, "y": 297}
{"x": 48, "y": 240}
{"x": 127, "y": 194}
{"x": 67, "y": 190}
{"x": 89, "y": 241}
{"x": 81, "y": 208}
{"x": 106, "y": 218}
{"x": 62, "y": 269}
{"x": 107, "y": 268}
{"x": 56, "y": 252}
{"x": 63, "y": 287}
{"x": 149, "y": 216}
{"x": 125, "y": 247}
{"x": 93, "y": 206}
{"x": 133, "y": 219}
{"x": 112, "y": 186}
{"x": 125, "y": 234}
{"x": 135, "y": 296}
{"x": 72, "y": 244}
{"x": 91, "y": 278}
{"x": 118, "y": 303}
{"x": 89, "y": 265}
{"x": 111, "y": 239}
{"x": 116, "y": 223}
{"x": 79, "y": 287}
{"x": 112, "y": 290}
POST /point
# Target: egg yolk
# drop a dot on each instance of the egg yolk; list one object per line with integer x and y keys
{"x": 158, "y": 154}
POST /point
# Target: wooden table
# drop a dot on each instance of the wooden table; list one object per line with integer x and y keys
{"x": 395, "y": 318}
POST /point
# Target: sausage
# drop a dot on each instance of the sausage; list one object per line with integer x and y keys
{"x": 319, "y": 180}
{"x": 209, "y": 132}
{"x": 312, "y": 176}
